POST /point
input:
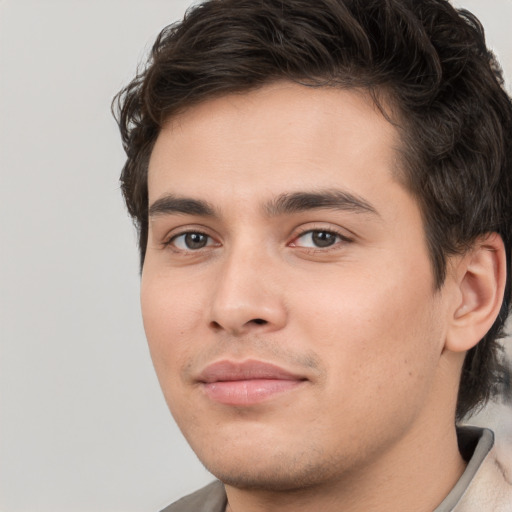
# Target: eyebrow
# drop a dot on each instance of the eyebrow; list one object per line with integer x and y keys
{"x": 170, "y": 204}
{"x": 283, "y": 204}
{"x": 324, "y": 199}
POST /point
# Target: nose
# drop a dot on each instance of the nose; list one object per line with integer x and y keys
{"x": 247, "y": 296}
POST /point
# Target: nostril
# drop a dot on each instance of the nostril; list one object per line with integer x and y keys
{"x": 234, "y": 326}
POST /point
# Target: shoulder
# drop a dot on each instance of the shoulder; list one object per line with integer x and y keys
{"x": 491, "y": 487}
{"x": 211, "y": 498}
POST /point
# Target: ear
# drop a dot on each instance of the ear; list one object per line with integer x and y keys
{"x": 480, "y": 276}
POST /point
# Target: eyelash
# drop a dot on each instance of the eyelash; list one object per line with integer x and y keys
{"x": 339, "y": 238}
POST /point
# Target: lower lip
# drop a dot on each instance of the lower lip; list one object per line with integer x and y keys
{"x": 248, "y": 392}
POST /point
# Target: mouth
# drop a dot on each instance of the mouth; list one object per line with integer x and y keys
{"x": 246, "y": 383}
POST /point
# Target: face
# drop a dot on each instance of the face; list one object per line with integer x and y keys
{"x": 287, "y": 292}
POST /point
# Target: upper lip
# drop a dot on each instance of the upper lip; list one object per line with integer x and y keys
{"x": 226, "y": 370}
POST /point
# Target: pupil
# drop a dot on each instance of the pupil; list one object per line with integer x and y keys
{"x": 195, "y": 240}
{"x": 323, "y": 238}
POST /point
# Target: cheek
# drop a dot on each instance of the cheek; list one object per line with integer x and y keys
{"x": 375, "y": 334}
{"x": 170, "y": 320}
{"x": 169, "y": 313}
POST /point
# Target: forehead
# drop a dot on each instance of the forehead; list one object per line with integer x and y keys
{"x": 280, "y": 138}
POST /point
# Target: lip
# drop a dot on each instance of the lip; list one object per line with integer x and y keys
{"x": 246, "y": 383}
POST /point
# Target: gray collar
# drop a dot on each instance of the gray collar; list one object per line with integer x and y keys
{"x": 474, "y": 445}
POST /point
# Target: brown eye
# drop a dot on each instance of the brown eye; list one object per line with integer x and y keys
{"x": 195, "y": 240}
{"x": 323, "y": 238}
{"x": 191, "y": 241}
{"x": 318, "y": 239}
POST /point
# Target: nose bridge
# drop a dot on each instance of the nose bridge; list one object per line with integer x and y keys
{"x": 246, "y": 295}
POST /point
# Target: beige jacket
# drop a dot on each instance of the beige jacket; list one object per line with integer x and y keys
{"x": 490, "y": 490}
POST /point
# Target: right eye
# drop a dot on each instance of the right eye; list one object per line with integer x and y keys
{"x": 191, "y": 241}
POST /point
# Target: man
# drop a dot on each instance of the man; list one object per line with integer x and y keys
{"x": 323, "y": 192}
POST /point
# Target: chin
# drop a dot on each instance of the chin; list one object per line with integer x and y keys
{"x": 272, "y": 479}
{"x": 272, "y": 470}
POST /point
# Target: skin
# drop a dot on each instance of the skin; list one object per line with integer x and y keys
{"x": 370, "y": 426}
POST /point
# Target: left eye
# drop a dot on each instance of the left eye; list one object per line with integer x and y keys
{"x": 317, "y": 239}
{"x": 191, "y": 241}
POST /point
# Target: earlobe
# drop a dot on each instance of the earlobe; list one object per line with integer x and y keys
{"x": 481, "y": 275}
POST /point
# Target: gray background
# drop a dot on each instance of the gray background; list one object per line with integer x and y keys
{"x": 83, "y": 425}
